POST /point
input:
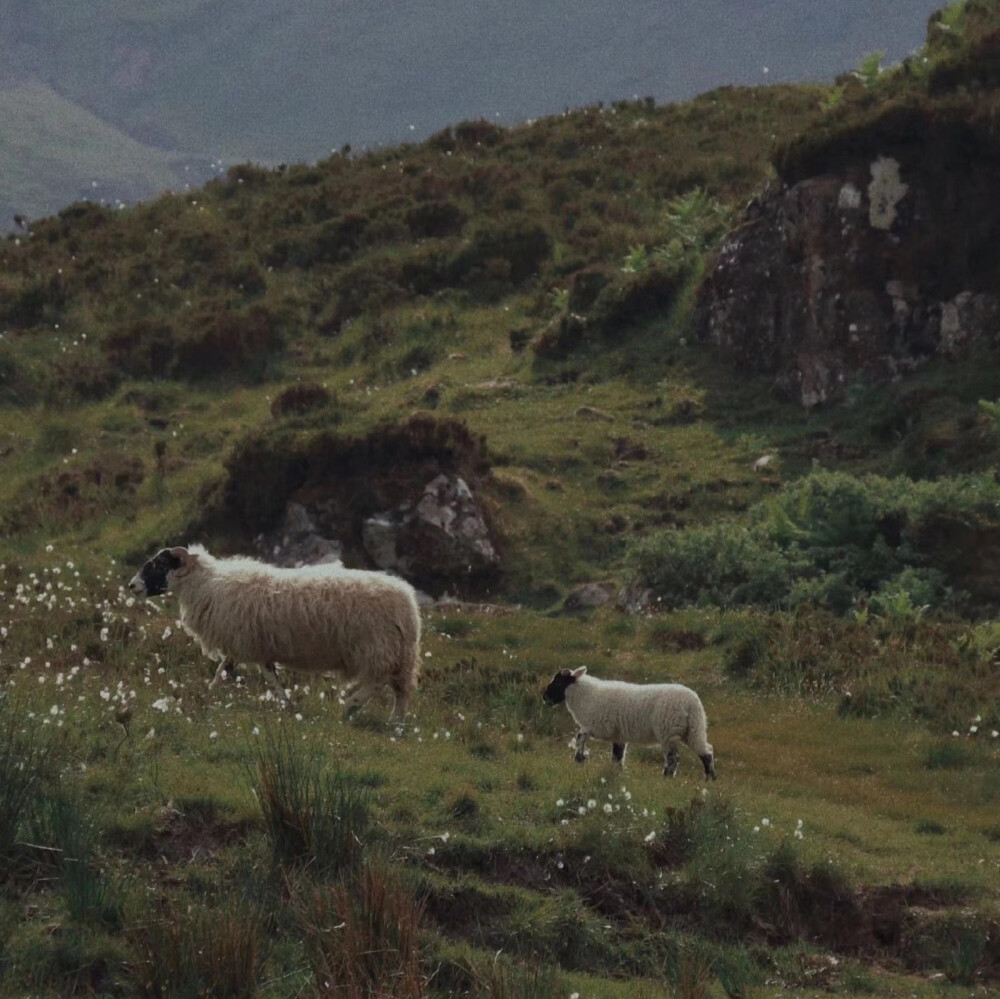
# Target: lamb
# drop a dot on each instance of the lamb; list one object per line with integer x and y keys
{"x": 632, "y": 712}
{"x": 364, "y": 626}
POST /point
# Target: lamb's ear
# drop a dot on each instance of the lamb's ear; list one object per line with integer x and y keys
{"x": 186, "y": 559}
{"x": 577, "y": 673}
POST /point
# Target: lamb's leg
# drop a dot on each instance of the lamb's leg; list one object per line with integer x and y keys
{"x": 223, "y": 672}
{"x": 670, "y": 761}
{"x": 581, "y": 744}
{"x": 272, "y": 676}
{"x": 618, "y": 753}
{"x": 697, "y": 741}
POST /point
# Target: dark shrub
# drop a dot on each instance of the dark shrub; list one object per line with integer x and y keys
{"x": 32, "y": 303}
{"x": 17, "y": 385}
{"x": 336, "y": 240}
{"x": 587, "y": 284}
{"x": 560, "y": 339}
{"x": 522, "y": 244}
{"x": 301, "y": 398}
{"x": 467, "y": 135}
{"x": 141, "y": 349}
{"x": 428, "y": 268}
{"x": 632, "y": 298}
{"x": 434, "y": 219}
{"x": 225, "y": 343}
{"x": 87, "y": 378}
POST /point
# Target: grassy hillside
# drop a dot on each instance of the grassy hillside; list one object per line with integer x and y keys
{"x": 530, "y": 289}
{"x": 240, "y": 81}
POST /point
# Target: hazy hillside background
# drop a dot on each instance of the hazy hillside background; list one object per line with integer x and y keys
{"x": 118, "y": 100}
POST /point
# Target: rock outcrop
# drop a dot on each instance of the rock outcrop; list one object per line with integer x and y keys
{"x": 878, "y": 250}
{"x": 442, "y": 538}
{"x": 297, "y": 541}
{"x": 403, "y": 498}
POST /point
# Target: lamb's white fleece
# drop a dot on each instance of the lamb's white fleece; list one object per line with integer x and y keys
{"x": 631, "y": 712}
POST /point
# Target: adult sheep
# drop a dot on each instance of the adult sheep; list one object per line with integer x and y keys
{"x": 365, "y": 626}
{"x": 621, "y": 713}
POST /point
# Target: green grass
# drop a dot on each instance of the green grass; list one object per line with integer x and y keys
{"x": 477, "y": 798}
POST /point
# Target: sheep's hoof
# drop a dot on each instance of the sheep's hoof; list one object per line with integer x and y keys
{"x": 581, "y": 757}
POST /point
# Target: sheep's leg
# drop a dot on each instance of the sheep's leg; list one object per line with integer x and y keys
{"x": 708, "y": 762}
{"x": 401, "y": 702}
{"x": 581, "y": 744}
{"x": 272, "y": 676}
{"x": 224, "y": 671}
{"x": 361, "y": 696}
{"x": 618, "y": 753}
{"x": 670, "y": 761}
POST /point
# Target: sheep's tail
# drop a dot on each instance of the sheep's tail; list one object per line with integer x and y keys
{"x": 697, "y": 737}
{"x": 406, "y": 672}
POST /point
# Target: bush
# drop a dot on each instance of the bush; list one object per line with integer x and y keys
{"x": 724, "y": 564}
{"x": 832, "y": 540}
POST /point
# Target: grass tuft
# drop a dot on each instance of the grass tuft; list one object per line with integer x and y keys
{"x": 313, "y": 817}
{"x": 362, "y": 936}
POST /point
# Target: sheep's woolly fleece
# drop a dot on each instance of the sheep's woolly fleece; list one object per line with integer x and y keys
{"x": 365, "y": 626}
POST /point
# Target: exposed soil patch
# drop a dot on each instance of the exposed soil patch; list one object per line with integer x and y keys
{"x": 886, "y": 922}
{"x": 184, "y": 836}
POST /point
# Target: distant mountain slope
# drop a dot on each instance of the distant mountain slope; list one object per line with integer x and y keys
{"x": 249, "y": 81}
{"x": 54, "y": 152}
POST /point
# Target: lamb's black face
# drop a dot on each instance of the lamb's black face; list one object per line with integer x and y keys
{"x": 555, "y": 692}
{"x": 151, "y": 579}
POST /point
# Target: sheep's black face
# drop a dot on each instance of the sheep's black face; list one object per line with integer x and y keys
{"x": 555, "y": 692}
{"x": 151, "y": 579}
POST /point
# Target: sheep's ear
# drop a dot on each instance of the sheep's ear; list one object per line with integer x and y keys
{"x": 577, "y": 673}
